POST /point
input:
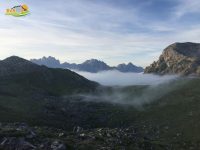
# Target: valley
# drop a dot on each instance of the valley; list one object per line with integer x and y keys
{"x": 46, "y": 101}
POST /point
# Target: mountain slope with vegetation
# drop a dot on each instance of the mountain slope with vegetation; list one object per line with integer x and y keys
{"x": 21, "y": 74}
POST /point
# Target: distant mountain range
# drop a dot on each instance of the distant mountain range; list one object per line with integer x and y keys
{"x": 92, "y": 65}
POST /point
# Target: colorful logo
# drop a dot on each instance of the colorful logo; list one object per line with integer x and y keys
{"x": 18, "y": 11}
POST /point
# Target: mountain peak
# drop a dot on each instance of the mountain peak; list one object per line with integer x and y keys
{"x": 15, "y": 58}
{"x": 188, "y": 49}
{"x": 130, "y": 64}
{"x": 129, "y": 68}
{"x": 16, "y": 65}
{"x": 49, "y": 57}
{"x": 93, "y": 61}
{"x": 91, "y": 65}
{"x": 49, "y": 61}
{"x": 178, "y": 58}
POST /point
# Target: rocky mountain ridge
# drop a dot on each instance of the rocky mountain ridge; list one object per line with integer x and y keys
{"x": 92, "y": 65}
{"x": 178, "y": 58}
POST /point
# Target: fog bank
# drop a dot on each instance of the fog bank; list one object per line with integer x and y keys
{"x": 137, "y": 96}
{"x": 113, "y": 78}
{"x": 135, "y": 89}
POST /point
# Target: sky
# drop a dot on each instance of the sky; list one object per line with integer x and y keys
{"x": 115, "y": 31}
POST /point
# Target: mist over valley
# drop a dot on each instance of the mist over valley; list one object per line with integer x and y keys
{"x": 116, "y": 78}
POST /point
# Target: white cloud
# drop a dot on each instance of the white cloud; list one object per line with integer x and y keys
{"x": 187, "y": 6}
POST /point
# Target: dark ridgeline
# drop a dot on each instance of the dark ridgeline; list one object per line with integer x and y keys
{"x": 23, "y": 73}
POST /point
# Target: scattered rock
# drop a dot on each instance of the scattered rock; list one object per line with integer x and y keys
{"x": 22, "y": 137}
{"x": 57, "y": 145}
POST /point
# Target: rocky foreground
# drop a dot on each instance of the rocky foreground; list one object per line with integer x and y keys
{"x": 22, "y": 137}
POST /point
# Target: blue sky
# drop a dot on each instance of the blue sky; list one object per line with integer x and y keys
{"x": 114, "y": 31}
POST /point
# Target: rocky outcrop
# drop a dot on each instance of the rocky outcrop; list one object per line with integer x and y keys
{"x": 178, "y": 58}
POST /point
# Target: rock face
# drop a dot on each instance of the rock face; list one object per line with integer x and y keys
{"x": 178, "y": 58}
{"x": 92, "y": 65}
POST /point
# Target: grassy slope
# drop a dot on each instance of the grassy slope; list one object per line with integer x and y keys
{"x": 177, "y": 113}
{"x": 53, "y": 81}
{"x": 24, "y": 97}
